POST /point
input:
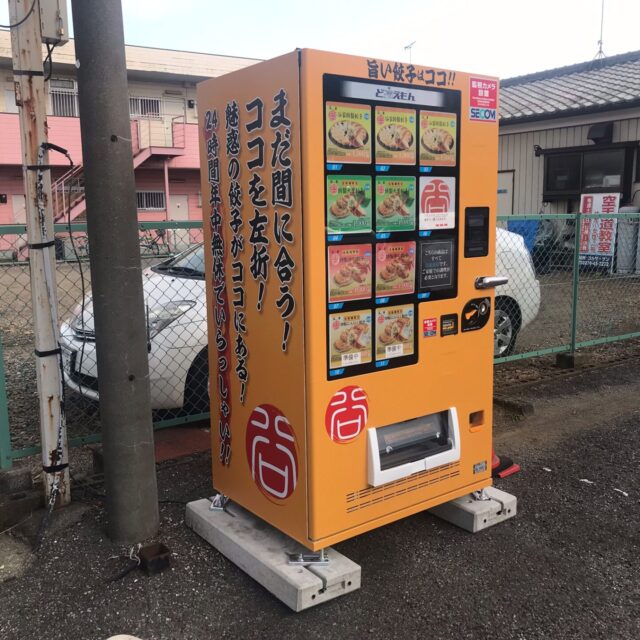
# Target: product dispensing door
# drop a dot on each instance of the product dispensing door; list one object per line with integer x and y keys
{"x": 350, "y": 265}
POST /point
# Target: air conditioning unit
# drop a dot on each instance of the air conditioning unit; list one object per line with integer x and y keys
{"x": 601, "y": 133}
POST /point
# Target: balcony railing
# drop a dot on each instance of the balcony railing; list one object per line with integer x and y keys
{"x": 164, "y": 131}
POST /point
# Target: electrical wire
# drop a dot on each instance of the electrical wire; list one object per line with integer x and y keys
{"x": 17, "y": 24}
{"x": 50, "y": 48}
{"x": 134, "y": 562}
{"x": 57, "y": 454}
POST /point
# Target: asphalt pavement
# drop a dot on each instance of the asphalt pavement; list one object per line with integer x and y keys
{"x": 566, "y": 567}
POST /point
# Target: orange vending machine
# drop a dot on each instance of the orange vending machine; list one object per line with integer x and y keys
{"x": 349, "y": 208}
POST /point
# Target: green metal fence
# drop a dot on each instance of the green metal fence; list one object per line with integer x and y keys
{"x": 559, "y": 298}
{"x": 577, "y": 285}
{"x": 176, "y": 311}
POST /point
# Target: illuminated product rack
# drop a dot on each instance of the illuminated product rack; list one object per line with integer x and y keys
{"x": 420, "y": 221}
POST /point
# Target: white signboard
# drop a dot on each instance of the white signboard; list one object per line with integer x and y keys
{"x": 389, "y": 93}
{"x": 598, "y": 235}
{"x": 437, "y": 203}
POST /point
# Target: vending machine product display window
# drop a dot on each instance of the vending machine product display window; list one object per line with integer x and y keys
{"x": 408, "y": 154}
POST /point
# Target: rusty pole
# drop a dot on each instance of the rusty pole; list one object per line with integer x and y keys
{"x": 26, "y": 43}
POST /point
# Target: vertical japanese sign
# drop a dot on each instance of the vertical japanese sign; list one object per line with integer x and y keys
{"x": 219, "y": 286}
{"x": 249, "y": 134}
{"x": 282, "y": 202}
{"x": 598, "y": 235}
{"x": 235, "y": 221}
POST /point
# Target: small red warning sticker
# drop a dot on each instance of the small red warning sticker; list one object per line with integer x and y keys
{"x": 429, "y": 327}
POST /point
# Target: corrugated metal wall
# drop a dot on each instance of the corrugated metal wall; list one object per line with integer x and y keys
{"x": 516, "y": 153}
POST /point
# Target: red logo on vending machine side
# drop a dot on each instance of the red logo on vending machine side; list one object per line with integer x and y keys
{"x": 346, "y": 415}
{"x": 271, "y": 452}
{"x": 436, "y": 197}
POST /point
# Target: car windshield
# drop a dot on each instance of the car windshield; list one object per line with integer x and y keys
{"x": 190, "y": 263}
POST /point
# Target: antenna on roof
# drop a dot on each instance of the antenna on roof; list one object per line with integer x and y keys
{"x": 600, "y": 55}
{"x": 408, "y": 48}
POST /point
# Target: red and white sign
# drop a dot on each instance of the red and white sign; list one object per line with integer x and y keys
{"x": 271, "y": 452}
{"x": 429, "y": 327}
{"x": 483, "y": 99}
{"x": 598, "y": 235}
{"x": 437, "y": 203}
{"x": 346, "y": 415}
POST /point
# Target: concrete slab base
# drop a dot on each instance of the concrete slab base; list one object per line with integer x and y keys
{"x": 261, "y": 551}
{"x": 475, "y": 515}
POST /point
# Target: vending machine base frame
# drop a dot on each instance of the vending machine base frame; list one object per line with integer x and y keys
{"x": 265, "y": 553}
{"x": 262, "y": 552}
{"x": 474, "y": 513}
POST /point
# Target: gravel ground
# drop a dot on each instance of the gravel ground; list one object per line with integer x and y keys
{"x": 565, "y": 567}
{"x": 608, "y": 307}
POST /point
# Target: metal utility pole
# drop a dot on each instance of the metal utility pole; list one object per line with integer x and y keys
{"x": 26, "y": 43}
{"x": 118, "y": 305}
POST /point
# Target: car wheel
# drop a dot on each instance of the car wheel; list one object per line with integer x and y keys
{"x": 196, "y": 393}
{"x": 506, "y": 324}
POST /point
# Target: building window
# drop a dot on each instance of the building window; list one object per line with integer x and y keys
{"x": 142, "y": 106}
{"x": 562, "y": 173}
{"x": 568, "y": 174}
{"x": 10, "y": 105}
{"x": 64, "y": 97}
{"x": 151, "y": 200}
{"x": 603, "y": 169}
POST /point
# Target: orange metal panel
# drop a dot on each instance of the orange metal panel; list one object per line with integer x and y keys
{"x": 275, "y": 376}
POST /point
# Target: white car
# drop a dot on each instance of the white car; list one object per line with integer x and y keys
{"x": 174, "y": 293}
{"x": 517, "y": 303}
{"x": 177, "y": 319}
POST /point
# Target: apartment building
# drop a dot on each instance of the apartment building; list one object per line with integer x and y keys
{"x": 164, "y": 134}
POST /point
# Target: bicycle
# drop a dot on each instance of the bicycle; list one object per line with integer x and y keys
{"x": 154, "y": 242}
{"x": 81, "y": 242}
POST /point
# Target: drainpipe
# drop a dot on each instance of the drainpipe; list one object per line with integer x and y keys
{"x": 166, "y": 188}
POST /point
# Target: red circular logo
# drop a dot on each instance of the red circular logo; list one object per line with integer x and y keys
{"x": 346, "y": 415}
{"x": 271, "y": 452}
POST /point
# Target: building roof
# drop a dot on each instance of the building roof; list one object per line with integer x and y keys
{"x": 598, "y": 85}
{"x": 146, "y": 62}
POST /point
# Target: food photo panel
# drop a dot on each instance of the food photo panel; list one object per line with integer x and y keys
{"x": 395, "y": 135}
{"x": 350, "y": 269}
{"x": 395, "y": 268}
{"x": 349, "y": 204}
{"x": 348, "y": 133}
{"x": 438, "y": 139}
{"x": 349, "y": 338}
{"x": 395, "y": 203}
{"x": 394, "y": 332}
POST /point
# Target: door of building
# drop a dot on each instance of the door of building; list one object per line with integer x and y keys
{"x": 179, "y": 210}
{"x": 19, "y": 209}
{"x": 505, "y": 194}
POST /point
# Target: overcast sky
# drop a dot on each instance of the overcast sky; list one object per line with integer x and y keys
{"x": 503, "y": 37}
